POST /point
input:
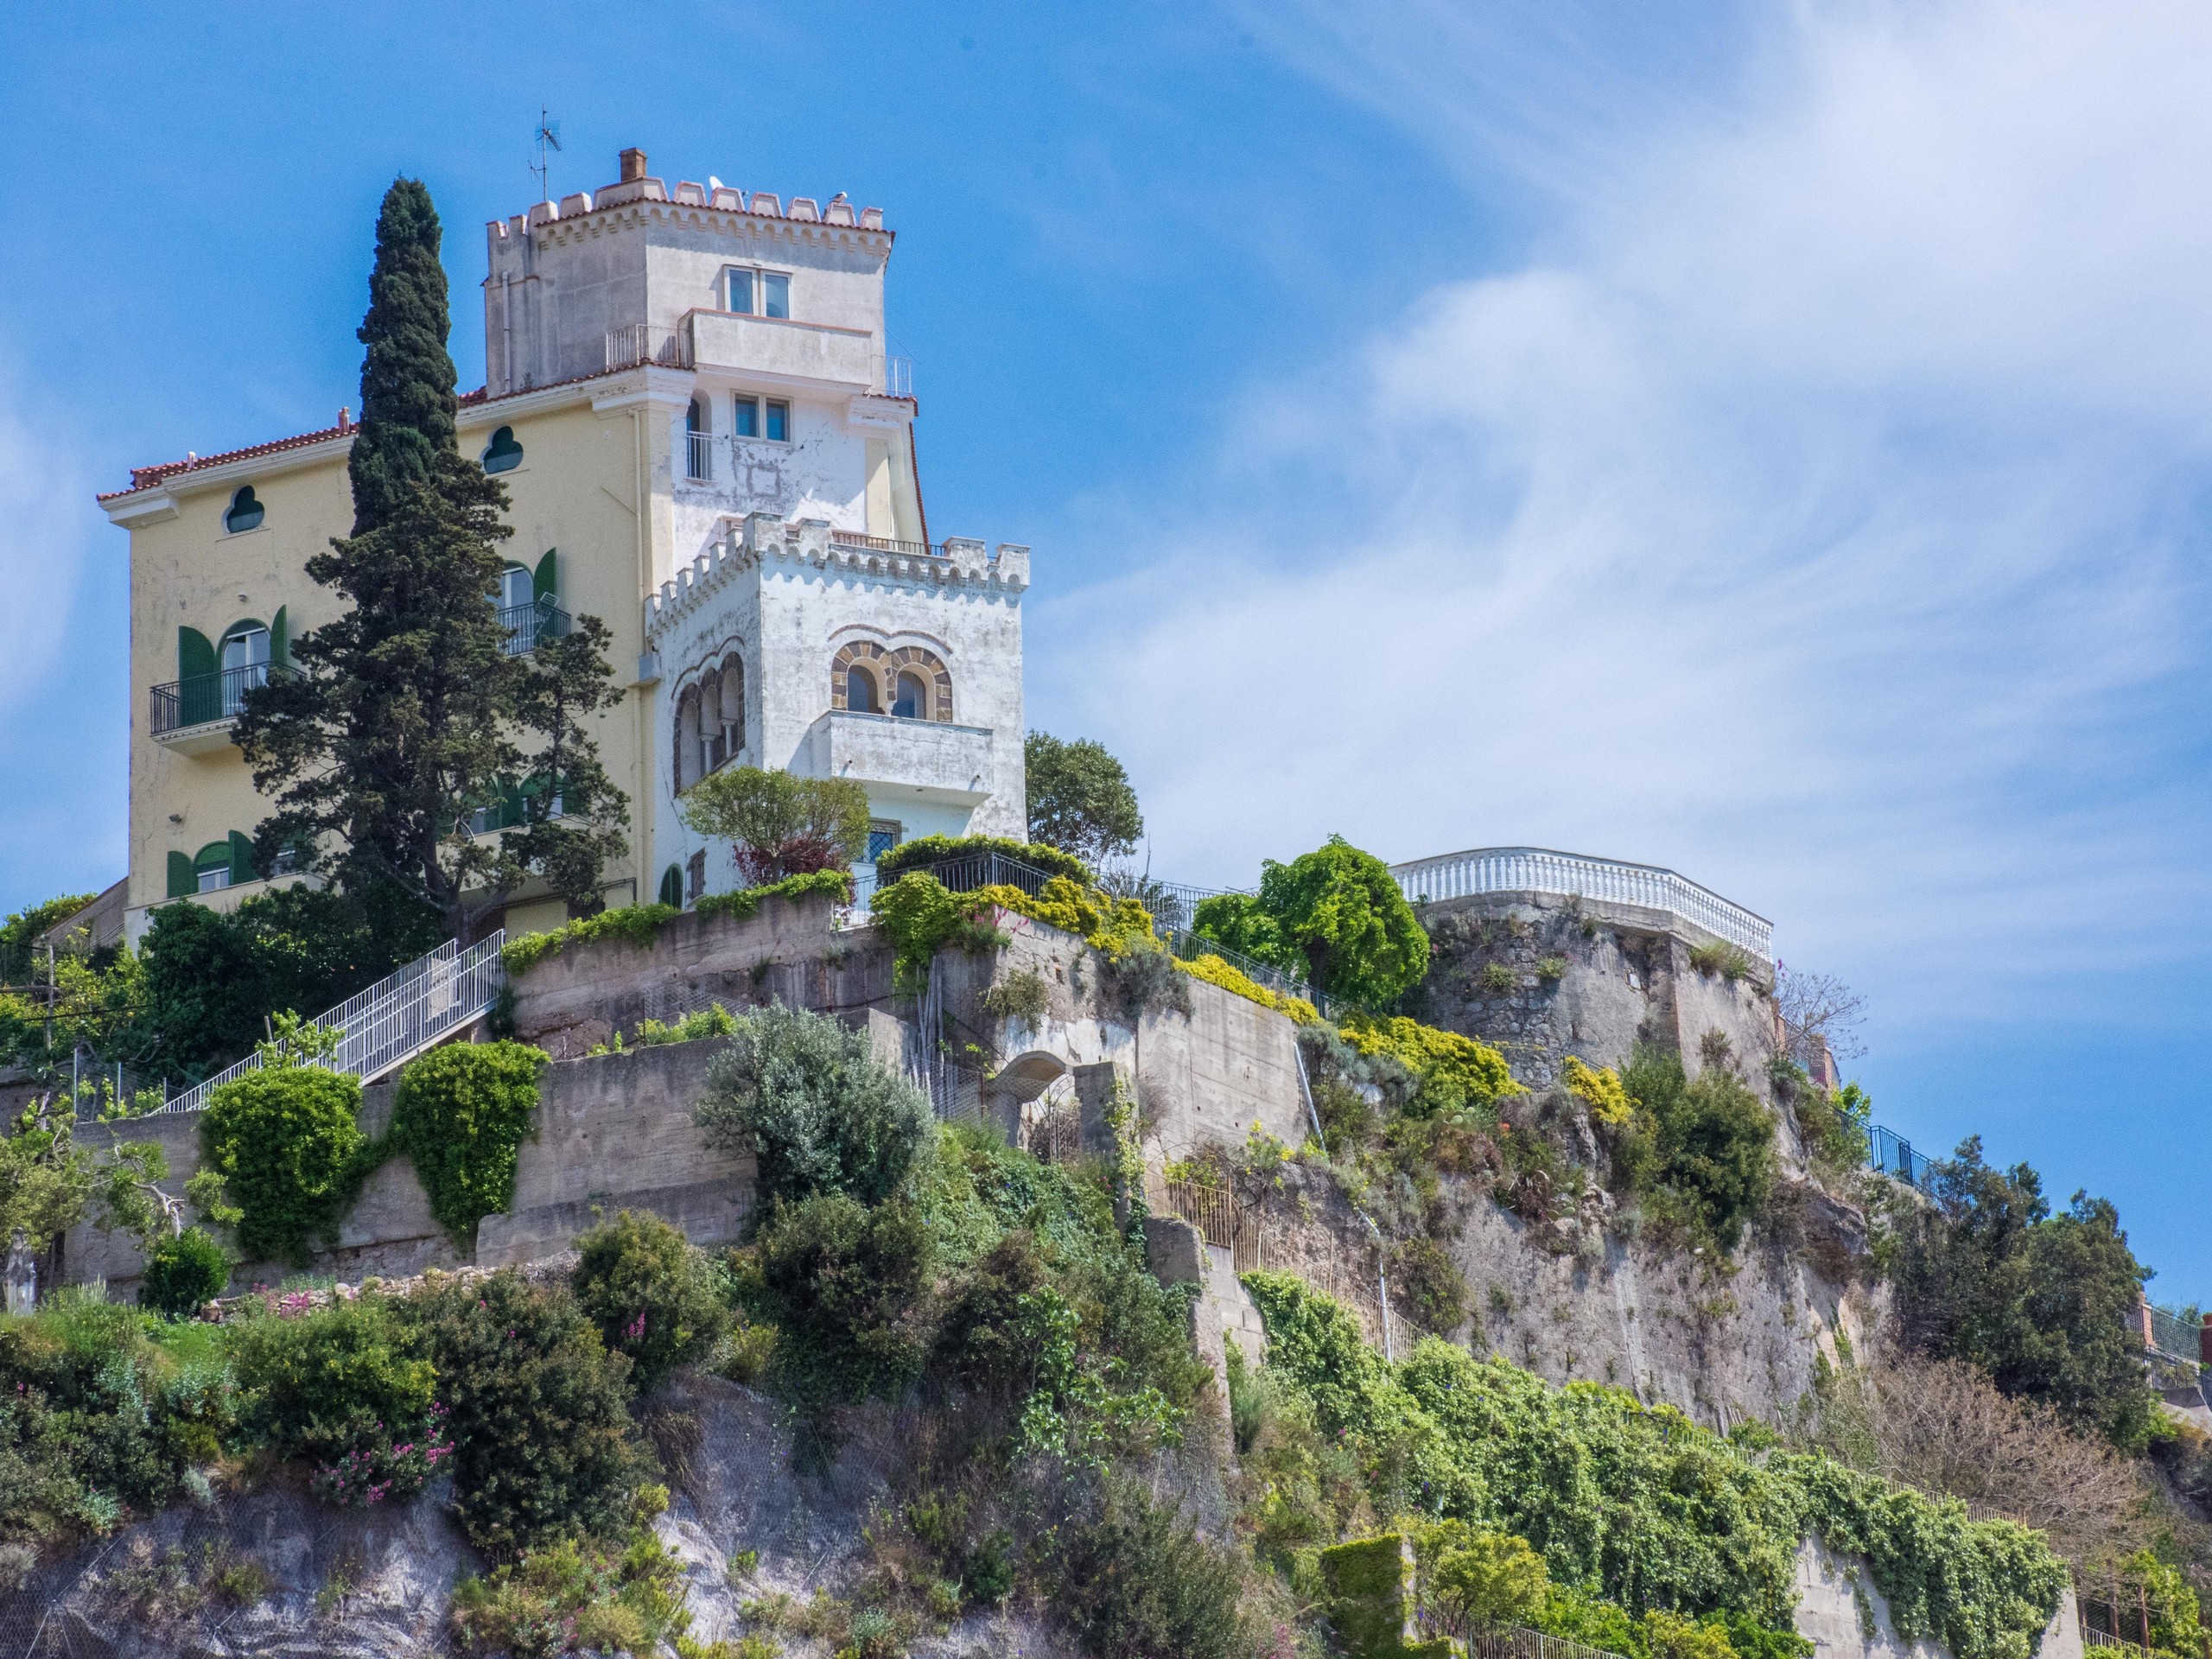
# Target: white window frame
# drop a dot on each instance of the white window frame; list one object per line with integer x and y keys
{"x": 758, "y": 277}
{"x": 761, "y": 403}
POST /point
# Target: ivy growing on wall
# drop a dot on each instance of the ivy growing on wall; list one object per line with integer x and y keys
{"x": 461, "y": 1116}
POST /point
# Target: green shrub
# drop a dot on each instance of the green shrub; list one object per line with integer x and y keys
{"x": 1726, "y": 960}
{"x": 1472, "y": 1578}
{"x": 340, "y": 1388}
{"x": 779, "y": 824}
{"x": 1140, "y": 1582}
{"x": 635, "y": 924}
{"x": 1705, "y": 1148}
{"x": 97, "y": 1422}
{"x": 184, "y": 1274}
{"x": 536, "y": 1411}
{"x": 1022, "y": 996}
{"x": 462, "y": 1114}
{"x": 638, "y": 1282}
{"x": 579, "y": 1595}
{"x": 1367, "y": 1584}
{"x": 843, "y": 1285}
{"x": 1497, "y": 979}
{"x": 981, "y": 1340}
{"x": 286, "y": 1142}
{"x": 924, "y": 851}
{"x": 806, "y": 1097}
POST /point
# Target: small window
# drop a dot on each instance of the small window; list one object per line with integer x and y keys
{"x": 746, "y": 423}
{"x": 741, "y": 291}
{"x": 695, "y": 878}
{"x": 883, "y": 835}
{"x": 244, "y": 511}
{"x": 859, "y": 691}
{"x": 775, "y": 295}
{"x": 913, "y": 698}
{"x": 503, "y": 454}
{"x": 779, "y": 421}
{"x": 211, "y": 869}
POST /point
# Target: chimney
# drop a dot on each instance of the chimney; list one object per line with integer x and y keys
{"x": 633, "y": 166}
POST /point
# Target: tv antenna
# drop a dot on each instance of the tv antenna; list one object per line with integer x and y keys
{"x": 548, "y": 137}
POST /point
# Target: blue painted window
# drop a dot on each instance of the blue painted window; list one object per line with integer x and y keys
{"x": 741, "y": 291}
{"x": 775, "y": 295}
{"x": 780, "y": 421}
{"x": 748, "y": 424}
{"x": 882, "y": 836}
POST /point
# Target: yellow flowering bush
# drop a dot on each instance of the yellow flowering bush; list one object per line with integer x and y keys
{"x": 1215, "y": 971}
{"x": 1599, "y": 1088}
{"x": 1454, "y": 1070}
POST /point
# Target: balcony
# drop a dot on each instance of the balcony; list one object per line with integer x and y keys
{"x": 919, "y": 759}
{"x": 530, "y": 626}
{"x": 799, "y": 353}
{"x": 193, "y": 716}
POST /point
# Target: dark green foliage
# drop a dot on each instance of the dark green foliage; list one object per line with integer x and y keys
{"x": 1080, "y": 797}
{"x": 407, "y": 378}
{"x": 845, "y": 1286}
{"x": 1139, "y": 1582}
{"x": 335, "y": 1381}
{"x": 288, "y": 1142}
{"x": 184, "y": 1274}
{"x": 1702, "y": 1152}
{"x": 462, "y": 1114}
{"x": 1640, "y": 1505}
{"x": 1424, "y": 1276}
{"x": 210, "y": 981}
{"x": 1335, "y": 915}
{"x": 981, "y": 1341}
{"x": 926, "y": 850}
{"x": 1367, "y": 1584}
{"x": 2041, "y": 1301}
{"x": 26, "y": 925}
{"x": 651, "y": 1300}
{"x": 536, "y": 1411}
{"x": 96, "y": 1421}
{"x": 807, "y": 1097}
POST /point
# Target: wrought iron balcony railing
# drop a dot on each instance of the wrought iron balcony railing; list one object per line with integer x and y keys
{"x": 530, "y": 626}
{"x": 203, "y": 699}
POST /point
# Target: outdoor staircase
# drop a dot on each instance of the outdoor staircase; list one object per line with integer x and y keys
{"x": 384, "y": 1026}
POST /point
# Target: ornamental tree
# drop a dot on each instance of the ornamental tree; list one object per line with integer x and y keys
{"x": 408, "y": 716}
{"x": 777, "y": 824}
{"x": 1337, "y": 914}
{"x": 1080, "y": 800}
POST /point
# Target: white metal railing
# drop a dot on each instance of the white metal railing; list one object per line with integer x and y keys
{"x": 1538, "y": 869}
{"x": 643, "y": 342}
{"x": 699, "y": 459}
{"x": 397, "y": 1018}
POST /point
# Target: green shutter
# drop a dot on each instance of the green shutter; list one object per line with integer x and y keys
{"x": 544, "y": 582}
{"x": 280, "y": 640}
{"x": 242, "y": 869}
{"x": 200, "y": 689}
{"x": 184, "y": 879}
{"x": 671, "y": 886}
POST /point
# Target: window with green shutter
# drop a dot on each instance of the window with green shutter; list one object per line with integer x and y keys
{"x": 184, "y": 882}
{"x": 242, "y": 865}
{"x": 211, "y": 866}
{"x": 545, "y": 581}
{"x": 671, "y": 886}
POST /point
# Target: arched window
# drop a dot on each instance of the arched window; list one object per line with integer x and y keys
{"x": 671, "y": 887}
{"x": 859, "y": 690}
{"x": 912, "y": 702}
{"x": 502, "y": 454}
{"x": 734, "y": 708}
{"x": 714, "y": 748}
{"x": 698, "y": 441}
{"x": 244, "y": 511}
{"x": 686, "y": 751}
{"x": 210, "y": 868}
{"x": 245, "y": 663}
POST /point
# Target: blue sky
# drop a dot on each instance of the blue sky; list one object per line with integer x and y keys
{"x": 1768, "y": 442}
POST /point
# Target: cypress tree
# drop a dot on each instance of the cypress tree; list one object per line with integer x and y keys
{"x": 410, "y": 713}
{"x": 407, "y": 375}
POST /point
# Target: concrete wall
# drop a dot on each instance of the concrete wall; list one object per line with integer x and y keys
{"x": 612, "y": 1134}
{"x": 1844, "y": 1617}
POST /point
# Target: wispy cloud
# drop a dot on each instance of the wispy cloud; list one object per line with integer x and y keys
{"x": 1818, "y": 510}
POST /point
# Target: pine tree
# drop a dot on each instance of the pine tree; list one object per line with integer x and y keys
{"x": 407, "y": 376}
{"x": 408, "y": 715}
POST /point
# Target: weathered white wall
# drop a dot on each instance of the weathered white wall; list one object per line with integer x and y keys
{"x": 1842, "y": 1614}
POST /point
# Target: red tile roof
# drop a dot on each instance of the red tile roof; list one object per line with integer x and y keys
{"x": 145, "y": 478}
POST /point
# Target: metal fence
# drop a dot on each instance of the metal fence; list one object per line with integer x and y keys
{"x": 1517, "y": 1643}
{"x": 1892, "y": 1154}
{"x": 2172, "y": 1334}
{"x": 205, "y": 698}
{"x": 1221, "y": 1220}
{"x": 395, "y": 1019}
{"x": 1538, "y": 869}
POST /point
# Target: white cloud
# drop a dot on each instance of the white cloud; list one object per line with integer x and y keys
{"x": 1818, "y": 514}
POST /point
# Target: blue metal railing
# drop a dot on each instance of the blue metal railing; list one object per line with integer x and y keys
{"x": 1893, "y": 1155}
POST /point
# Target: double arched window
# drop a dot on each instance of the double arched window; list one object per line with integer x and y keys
{"x": 710, "y": 722}
{"x": 907, "y": 684}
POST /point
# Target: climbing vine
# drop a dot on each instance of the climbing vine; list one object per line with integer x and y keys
{"x": 641, "y": 925}
{"x": 461, "y": 1116}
